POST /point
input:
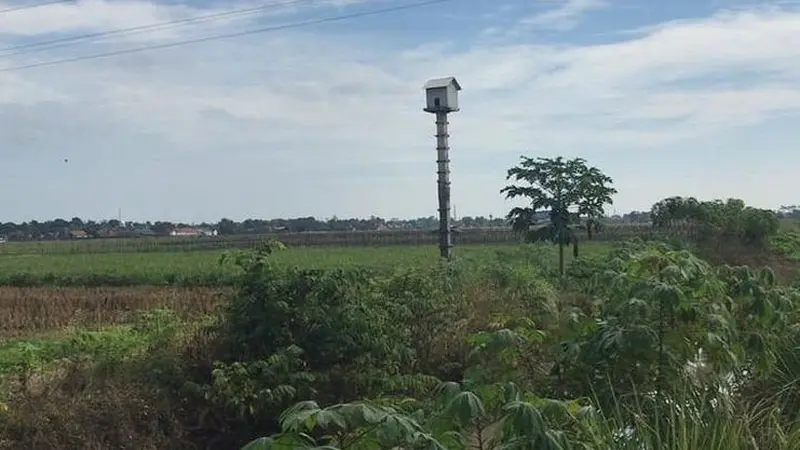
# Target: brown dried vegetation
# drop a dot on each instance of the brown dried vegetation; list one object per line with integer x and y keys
{"x": 28, "y": 309}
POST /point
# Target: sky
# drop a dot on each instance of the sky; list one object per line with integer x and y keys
{"x": 324, "y": 117}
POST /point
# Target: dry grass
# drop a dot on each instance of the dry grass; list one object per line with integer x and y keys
{"x": 26, "y": 310}
{"x": 76, "y": 411}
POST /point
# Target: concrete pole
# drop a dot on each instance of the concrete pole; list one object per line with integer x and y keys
{"x": 443, "y": 162}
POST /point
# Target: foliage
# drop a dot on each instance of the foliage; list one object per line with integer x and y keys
{"x": 346, "y": 331}
{"x": 787, "y": 243}
{"x": 656, "y": 306}
{"x": 333, "y": 316}
{"x": 259, "y": 388}
{"x": 499, "y": 416}
{"x": 569, "y": 192}
{"x": 507, "y": 354}
{"x": 718, "y": 219}
{"x": 662, "y": 311}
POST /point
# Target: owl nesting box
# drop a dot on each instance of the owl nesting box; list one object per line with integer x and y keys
{"x": 442, "y": 95}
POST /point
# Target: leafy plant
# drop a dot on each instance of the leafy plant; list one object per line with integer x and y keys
{"x": 256, "y": 389}
{"x": 498, "y": 417}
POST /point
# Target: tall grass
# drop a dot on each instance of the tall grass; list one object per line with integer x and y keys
{"x": 693, "y": 418}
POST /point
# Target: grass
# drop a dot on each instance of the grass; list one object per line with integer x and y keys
{"x": 17, "y": 355}
{"x": 202, "y": 268}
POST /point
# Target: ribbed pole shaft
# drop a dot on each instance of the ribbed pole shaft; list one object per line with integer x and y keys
{"x": 443, "y": 162}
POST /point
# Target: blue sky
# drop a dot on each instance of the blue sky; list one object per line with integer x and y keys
{"x": 686, "y": 97}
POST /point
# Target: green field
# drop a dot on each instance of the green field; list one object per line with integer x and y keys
{"x": 204, "y": 267}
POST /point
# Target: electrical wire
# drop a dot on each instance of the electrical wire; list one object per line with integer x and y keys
{"x": 318, "y": 21}
{"x": 30, "y": 6}
{"x": 70, "y": 40}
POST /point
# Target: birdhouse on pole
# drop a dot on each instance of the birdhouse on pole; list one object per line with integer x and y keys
{"x": 442, "y": 95}
{"x": 441, "y": 98}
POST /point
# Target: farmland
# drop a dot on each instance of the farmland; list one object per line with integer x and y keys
{"x": 417, "y": 238}
{"x": 193, "y": 346}
{"x": 205, "y": 267}
{"x": 41, "y": 292}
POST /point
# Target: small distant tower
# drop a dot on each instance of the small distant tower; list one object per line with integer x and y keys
{"x": 441, "y": 99}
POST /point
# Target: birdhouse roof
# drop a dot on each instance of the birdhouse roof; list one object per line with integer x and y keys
{"x": 443, "y": 82}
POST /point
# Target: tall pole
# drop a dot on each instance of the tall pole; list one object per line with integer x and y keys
{"x": 443, "y": 162}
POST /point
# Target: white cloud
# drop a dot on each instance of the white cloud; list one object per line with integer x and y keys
{"x": 565, "y": 16}
{"x": 88, "y": 15}
{"x": 281, "y": 112}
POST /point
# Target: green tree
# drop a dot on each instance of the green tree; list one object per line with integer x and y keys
{"x": 226, "y": 227}
{"x": 567, "y": 191}
{"x": 730, "y": 219}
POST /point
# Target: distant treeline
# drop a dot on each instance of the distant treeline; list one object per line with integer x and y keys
{"x": 77, "y": 228}
{"x": 467, "y": 236}
{"x": 62, "y": 229}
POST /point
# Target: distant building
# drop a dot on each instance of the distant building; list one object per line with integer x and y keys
{"x": 3, "y": 240}
{"x": 209, "y": 232}
{"x": 188, "y": 231}
{"x": 78, "y": 234}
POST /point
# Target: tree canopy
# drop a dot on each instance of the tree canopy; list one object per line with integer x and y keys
{"x": 730, "y": 219}
{"x": 564, "y": 193}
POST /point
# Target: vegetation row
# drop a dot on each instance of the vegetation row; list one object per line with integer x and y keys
{"x": 646, "y": 347}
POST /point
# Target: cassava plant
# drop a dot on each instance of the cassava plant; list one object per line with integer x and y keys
{"x": 495, "y": 417}
{"x": 659, "y": 308}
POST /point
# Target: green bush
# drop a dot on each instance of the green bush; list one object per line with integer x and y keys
{"x": 716, "y": 219}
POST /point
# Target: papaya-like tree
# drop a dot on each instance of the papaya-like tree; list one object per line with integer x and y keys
{"x": 568, "y": 192}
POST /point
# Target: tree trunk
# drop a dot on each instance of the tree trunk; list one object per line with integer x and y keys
{"x": 561, "y": 257}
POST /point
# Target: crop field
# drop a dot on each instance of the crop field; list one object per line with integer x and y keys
{"x": 53, "y": 291}
{"x": 205, "y": 267}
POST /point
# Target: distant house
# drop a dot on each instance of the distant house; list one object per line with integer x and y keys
{"x": 78, "y": 234}
{"x": 186, "y": 232}
{"x": 143, "y": 232}
{"x": 3, "y": 240}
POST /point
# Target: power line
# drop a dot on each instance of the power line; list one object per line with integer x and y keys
{"x": 226, "y": 36}
{"x": 30, "y": 6}
{"x": 68, "y": 40}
